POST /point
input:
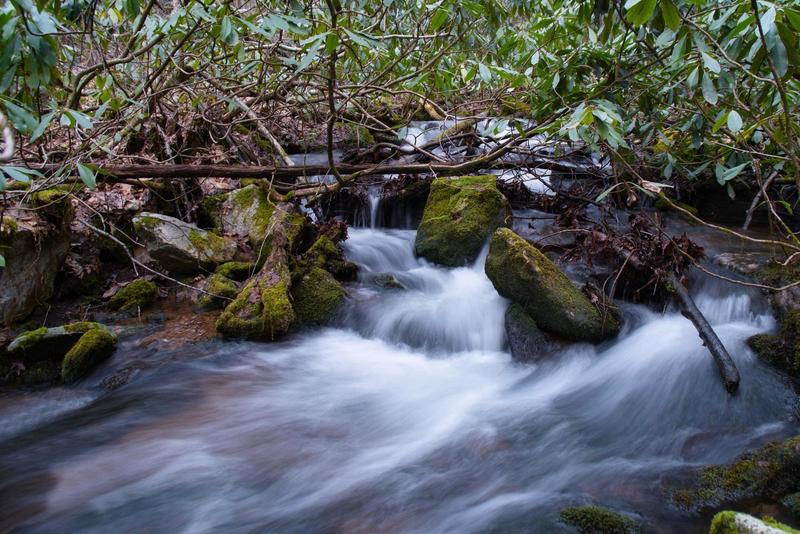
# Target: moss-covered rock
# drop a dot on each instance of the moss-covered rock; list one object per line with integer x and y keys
{"x": 222, "y": 290}
{"x": 317, "y": 296}
{"x": 520, "y": 272}
{"x": 180, "y": 246}
{"x": 460, "y": 215}
{"x": 93, "y": 347}
{"x": 246, "y": 213}
{"x": 135, "y": 296}
{"x": 729, "y": 522}
{"x": 326, "y": 253}
{"x": 236, "y": 270}
{"x": 598, "y": 520}
{"x": 782, "y": 349}
{"x": 772, "y": 472}
{"x": 48, "y": 343}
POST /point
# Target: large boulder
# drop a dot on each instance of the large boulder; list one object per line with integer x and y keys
{"x": 317, "y": 296}
{"x": 182, "y": 247}
{"x": 520, "y": 272}
{"x": 34, "y": 248}
{"x": 244, "y": 212}
{"x": 460, "y": 215}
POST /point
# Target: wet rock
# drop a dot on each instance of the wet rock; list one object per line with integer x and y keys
{"x": 317, "y": 296}
{"x": 180, "y": 246}
{"x": 135, "y": 297}
{"x": 526, "y": 341}
{"x": 783, "y": 348}
{"x": 93, "y": 347}
{"x": 328, "y": 254}
{"x": 729, "y": 522}
{"x": 598, "y": 520}
{"x": 244, "y": 212}
{"x": 770, "y": 473}
{"x": 238, "y": 271}
{"x": 49, "y": 343}
{"x": 526, "y": 276}
{"x": 460, "y": 215}
{"x": 263, "y": 308}
{"x": 222, "y": 290}
{"x": 792, "y": 502}
{"x": 34, "y": 248}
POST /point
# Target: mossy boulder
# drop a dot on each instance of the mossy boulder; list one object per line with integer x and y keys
{"x": 221, "y": 290}
{"x": 245, "y": 213}
{"x": 770, "y": 473}
{"x": 782, "y": 349}
{"x": 34, "y": 250}
{"x": 317, "y": 296}
{"x": 520, "y": 272}
{"x": 460, "y": 215}
{"x": 328, "y": 254}
{"x": 236, "y": 270}
{"x": 135, "y": 296}
{"x": 598, "y": 520}
{"x": 729, "y": 522}
{"x": 93, "y": 347}
{"x": 182, "y": 247}
{"x": 48, "y": 343}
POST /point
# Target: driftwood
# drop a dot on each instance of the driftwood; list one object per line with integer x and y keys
{"x": 727, "y": 367}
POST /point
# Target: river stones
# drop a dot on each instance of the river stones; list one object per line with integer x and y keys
{"x": 460, "y": 215}
{"x": 67, "y": 352}
{"x": 182, "y": 247}
{"x": 34, "y": 248}
{"x": 520, "y": 272}
{"x": 597, "y": 519}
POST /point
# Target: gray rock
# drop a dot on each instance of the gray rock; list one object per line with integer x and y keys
{"x": 180, "y": 246}
{"x": 526, "y": 341}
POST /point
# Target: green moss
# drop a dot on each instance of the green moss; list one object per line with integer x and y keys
{"x": 262, "y": 310}
{"x": 82, "y": 327}
{"x": 92, "y": 348}
{"x": 8, "y": 225}
{"x": 54, "y": 203}
{"x": 219, "y": 286}
{"x": 143, "y": 222}
{"x": 236, "y": 270}
{"x": 520, "y": 272}
{"x": 781, "y": 349}
{"x": 317, "y": 296}
{"x": 769, "y": 473}
{"x": 135, "y": 296}
{"x": 598, "y": 520}
{"x": 460, "y": 215}
{"x": 29, "y": 340}
{"x": 725, "y": 523}
{"x": 208, "y": 244}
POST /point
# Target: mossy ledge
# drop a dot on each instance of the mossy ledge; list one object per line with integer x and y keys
{"x": 598, "y": 520}
{"x": 729, "y": 522}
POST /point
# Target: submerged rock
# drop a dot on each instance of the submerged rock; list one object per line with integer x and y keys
{"x": 526, "y": 276}
{"x": 598, "y": 520}
{"x": 729, "y": 522}
{"x": 317, "y": 296}
{"x": 770, "y": 473}
{"x": 34, "y": 249}
{"x": 525, "y": 340}
{"x": 180, "y": 246}
{"x": 92, "y": 348}
{"x": 460, "y": 215}
{"x": 135, "y": 296}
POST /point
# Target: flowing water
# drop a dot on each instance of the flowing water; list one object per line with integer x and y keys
{"x": 408, "y": 416}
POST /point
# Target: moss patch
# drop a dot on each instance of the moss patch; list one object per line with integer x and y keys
{"x": 92, "y": 348}
{"x": 135, "y": 296}
{"x": 317, "y": 296}
{"x": 729, "y": 522}
{"x": 460, "y": 215}
{"x": 219, "y": 286}
{"x": 520, "y": 272}
{"x": 262, "y": 310}
{"x": 781, "y": 349}
{"x": 598, "y": 520}
{"x": 769, "y": 473}
{"x": 236, "y": 270}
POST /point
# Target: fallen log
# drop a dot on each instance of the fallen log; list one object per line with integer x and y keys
{"x": 727, "y": 367}
{"x": 114, "y": 173}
